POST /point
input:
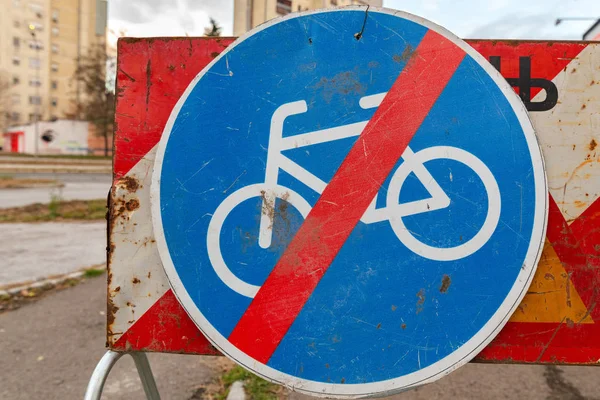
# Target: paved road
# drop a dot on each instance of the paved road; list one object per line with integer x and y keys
{"x": 33, "y": 251}
{"x": 49, "y": 349}
{"x": 77, "y": 187}
{"x": 67, "y": 330}
{"x": 41, "y": 160}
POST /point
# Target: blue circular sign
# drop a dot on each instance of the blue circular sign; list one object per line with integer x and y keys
{"x": 437, "y": 167}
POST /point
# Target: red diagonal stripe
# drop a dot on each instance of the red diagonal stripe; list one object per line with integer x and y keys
{"x": 346, "y": 198}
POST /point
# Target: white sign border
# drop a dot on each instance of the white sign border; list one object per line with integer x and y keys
{"x": 433, "y": 372}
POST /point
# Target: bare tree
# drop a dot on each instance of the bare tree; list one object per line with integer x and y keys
{"x": 96, "y": 104}
{"x": 214, "y": 29}
{"x": 5, "y": 103}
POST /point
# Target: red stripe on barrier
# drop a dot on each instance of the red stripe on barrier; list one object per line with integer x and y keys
{"x": 345, "y": 199}
{"x": 577, "y": 247}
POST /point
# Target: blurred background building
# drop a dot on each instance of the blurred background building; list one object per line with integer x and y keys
{"x": 41, "y": 43}
{"x": 250, "y": 13}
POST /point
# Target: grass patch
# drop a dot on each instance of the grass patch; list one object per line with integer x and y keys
{"x": 256, "y": 388}
{"x": 56, "y": 210}
{"x": 9, "y": 182}
{"x": 93, "y": 272}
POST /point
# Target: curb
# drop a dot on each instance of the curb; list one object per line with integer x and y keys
{"x": 236, "y": 391}
{"x": 13, "y": 290}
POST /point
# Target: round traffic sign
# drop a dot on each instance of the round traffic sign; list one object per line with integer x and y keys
{"x": 349, "y": 202}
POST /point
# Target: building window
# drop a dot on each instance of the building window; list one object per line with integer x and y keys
{"x": 54, "y": 102}
{"x": 16, "y": 61}
{"x": 37, "y": 9}
{"x": 54, "y": 85}
{"x": 34, "y": 117}
{"x": 35, "y": 82}
{"x": 16, "y": 99}
{"x": 55, "y": 48}
{"x": 16, "y": 42}
{"x": 55, "y": 15}
{"x": 55, "y": 31}
{"x": 36, "y": 44}
{"x": 35, "y": 100}
{"x": 16, "y": 24}
{"x": 15, "y": 117}
{"x": 284, "y": 7}
{"x": 334, "y": 2}
{"x": 16, "y": 80}
{"x": 54, "y": 67}
{"x": 34, "y": 63}
{"x": 36, "y": 26}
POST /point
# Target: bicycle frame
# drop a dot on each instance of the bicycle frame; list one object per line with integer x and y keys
{"x": 276, "y": 161}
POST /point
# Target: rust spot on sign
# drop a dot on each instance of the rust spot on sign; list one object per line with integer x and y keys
{"x": 111, "y": 311}
{"x": 593, "y": 145}
{"x": 583, "y": 106}
{"x": 570, "y": 323}
{"x": 130, "y": 183}
{"x": 343, "y": 83}
{"x": 421, "y": 297}
{"x": 214, "y": 54}
{"x": 445, "y": 283}
{"x": 132, "y": 204}
{"x": 135, "y": 280}
{"x": 403, "y": 326}
{"x": 405, "y": 56}
{"x": 379, "y": 325}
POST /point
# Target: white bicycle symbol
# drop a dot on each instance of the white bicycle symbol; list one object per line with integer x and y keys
{"x": 394, "y": 211}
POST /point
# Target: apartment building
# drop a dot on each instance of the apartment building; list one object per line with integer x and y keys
{"x": 249, "y": 13}
{"x": 40, "y": 44}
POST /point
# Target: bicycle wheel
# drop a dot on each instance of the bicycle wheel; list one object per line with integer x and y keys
{"x": 409, "y": 239}
{"x": 213, "y": 238}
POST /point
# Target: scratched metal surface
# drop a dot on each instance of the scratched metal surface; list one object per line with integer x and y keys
{"x": 558, "y": 82}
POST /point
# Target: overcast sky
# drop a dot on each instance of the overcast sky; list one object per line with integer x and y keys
{"x": 498, "y": 19}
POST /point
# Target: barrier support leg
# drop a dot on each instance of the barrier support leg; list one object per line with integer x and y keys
{"x": 96, "y": 384}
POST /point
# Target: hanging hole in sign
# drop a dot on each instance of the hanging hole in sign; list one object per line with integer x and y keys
{"x": 359, "y": 35}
